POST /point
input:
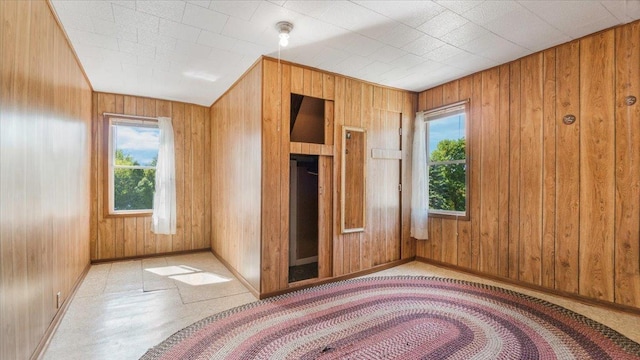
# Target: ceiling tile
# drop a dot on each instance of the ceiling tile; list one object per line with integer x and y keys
{"x": 495, "y": 48}
{"x": 93, "y": 39}
{"x": 216, "y": 41}
{"x": 400, "y": 35}
{"x": 311, "y": 8}
{"x": 525, "y": 29}
{"x": 459, "y": 6}
{"x": 444, "y": 53}
{"x": 159, "y": 41}
{"x": 178, "y": 30}
{"x": 171, "y": 10}
{"x": 137, "y": 49}
{"x": 203, "y": 18}
{"x": 464, "y": 34}
{"x": 194, "y": 51}
{"x": 240, "y": 9}
{"x": 352, "y": 16}
{"x": 245, "y": 30}
{"x": 412, "y": 13}
{"x": 572, "y": 17}
{"x": 117, "y": 31}
{"x": 442, "y": 24}
{"x": 423, "y": 45}
{"x": 201, "y": 3}
{"x": 488, "y": 11}
{"x": 126, "y": 16}
{"x": 624, "y": 11}
{"x": 387, "y": 54}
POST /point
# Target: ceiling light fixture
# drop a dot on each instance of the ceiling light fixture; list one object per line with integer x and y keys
{"x": 284, "y": 28}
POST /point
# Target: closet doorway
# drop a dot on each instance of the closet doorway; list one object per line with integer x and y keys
{"x": 303, "y": 217}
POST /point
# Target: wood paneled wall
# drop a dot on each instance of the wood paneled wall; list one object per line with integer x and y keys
{"x": 236, "y": 132}
{"x": 45, "y": 113}
{"x": 552, "y": 205}
{"x": 122, "y": 237}
{"x": 356, "y": 103}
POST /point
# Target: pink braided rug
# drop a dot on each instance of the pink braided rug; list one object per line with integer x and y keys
{"x": 398, "y": 318}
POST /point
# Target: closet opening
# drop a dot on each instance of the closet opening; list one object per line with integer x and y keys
{"x": 307, "y": 119}
{"x": 303, "y": 217}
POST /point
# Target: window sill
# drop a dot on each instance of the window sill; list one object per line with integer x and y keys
{"x": 129, "y": 214}
{"x": 450, "y": 216}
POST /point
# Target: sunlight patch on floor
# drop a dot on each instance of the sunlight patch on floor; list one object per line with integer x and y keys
{"x": 201, "y": 278}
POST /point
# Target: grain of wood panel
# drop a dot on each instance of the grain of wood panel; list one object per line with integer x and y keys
{"x": 136, "y": 237}
{"x": 531, "y": 170}
{"x": 325, "y": 216}
{"x": 285, "y": 192}
{"x": 297, "y": 80}
{"x": 475, "y": 165}
{"x": 549, "y": 169}
{"x": 271, "y": 168}
{"x": 465, "y": 91}
{"x": 45, "y": 107}
{"x": 236, "y": 180}
{"x": 514, "y": 167}
{"x": 307, "y": 85}
{"x": 410, "y": 106}
{"x": 489, "y": 173}
{"x": 567, "y": 168}
{"x": 503, "y": 173}
{"x": 627, "y": 232}
{"x": 328, "y": 122}
{"x": 328, "y": 87}
{"x": 597, "y": 165}
{"x": 316, "y": 84}
{"x": 339, "y": 114}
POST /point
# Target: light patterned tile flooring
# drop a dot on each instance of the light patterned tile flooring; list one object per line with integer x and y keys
{"x": 123, "y": 308}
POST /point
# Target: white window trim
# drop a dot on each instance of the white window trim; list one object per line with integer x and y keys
{"x": 136, "y": 121}
{"x": 439, "y": 113}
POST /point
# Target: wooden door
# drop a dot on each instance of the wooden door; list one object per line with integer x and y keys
{"x": 383, "y": 225}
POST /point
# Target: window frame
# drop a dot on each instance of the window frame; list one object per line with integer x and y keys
{"x": 109, "y": 162}
{"x": 436, "y": 114}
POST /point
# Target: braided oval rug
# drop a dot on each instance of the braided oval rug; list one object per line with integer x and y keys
{"x": 400, "y": 317}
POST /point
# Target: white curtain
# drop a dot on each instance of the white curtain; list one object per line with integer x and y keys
{"x": 164, "y": 199}
{"x": 419, "y": 181}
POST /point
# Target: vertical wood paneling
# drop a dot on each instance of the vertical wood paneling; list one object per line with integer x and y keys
{"x": 597, "y": 163}
{"x": 45, "y": 183}
{"x": 503, "y": 173}
{"x": 530, "y": 269}
{"x": 119, "y": 237}
{"x": 549, "y": 169}
{"x": 514, "y": 168}
{"x": 627, "y": 243}
{"x": 236, "y": 176}
{"x": 566, "y": 195}
{"x": 475, "y": 148}
{"x": 489, "y": 172}
{"x": 567, "y": 168}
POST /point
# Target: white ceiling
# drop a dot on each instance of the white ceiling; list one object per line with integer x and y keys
{"x": 193, "y": 51}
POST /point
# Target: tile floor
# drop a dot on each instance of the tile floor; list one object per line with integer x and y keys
{"x": 123, "y": 308}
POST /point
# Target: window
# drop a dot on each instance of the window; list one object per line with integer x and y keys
{"x": 447, "y": 160}
{"x": 133, "y": 155}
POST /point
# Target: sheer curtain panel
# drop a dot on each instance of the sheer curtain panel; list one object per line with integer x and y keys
{"x": 419, "y": 181}
{"x": 164, "y": 199}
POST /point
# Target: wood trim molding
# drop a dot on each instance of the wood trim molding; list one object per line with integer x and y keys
{"x": 38, "y": 353}
{"x": 310, "y": 283}
{"x": 581, "y": 299}
{"x": 240, "y": 278}
{"x": 148, "y": 256}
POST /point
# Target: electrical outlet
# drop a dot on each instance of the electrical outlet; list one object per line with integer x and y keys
{"x": 58, "y": 300}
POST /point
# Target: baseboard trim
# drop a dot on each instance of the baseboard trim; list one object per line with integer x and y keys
{"x": 315, "y": 282}
{"x": 39, "y": 351}
{"x": 240, "y": 278}
{"x": 571, "y": 296}
{"x": 148, "y": 256}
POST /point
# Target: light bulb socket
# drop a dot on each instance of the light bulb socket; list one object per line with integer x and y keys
{"x": 284, "y": 28}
